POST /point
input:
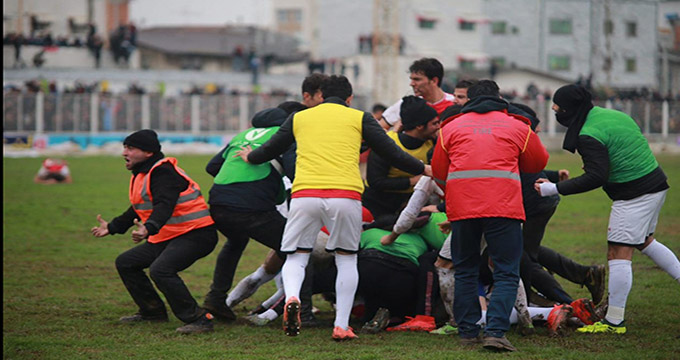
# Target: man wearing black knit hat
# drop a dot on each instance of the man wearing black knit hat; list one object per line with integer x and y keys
{"x": 169, "y": 212}
{"x": 388, "y": 188}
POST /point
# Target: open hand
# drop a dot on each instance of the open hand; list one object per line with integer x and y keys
{"x": 102, "y": 229}
{"x": 244, "y": 152}
{"x": 140, "y": 233}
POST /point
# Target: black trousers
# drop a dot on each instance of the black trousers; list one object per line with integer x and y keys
{"x": 535, "y": 257}
{"x": 387, "y": 281}
{"x": 238, "y": 227}
{"x": 164, "y": 261}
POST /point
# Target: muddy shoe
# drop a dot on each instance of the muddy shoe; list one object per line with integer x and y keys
{"x": 378, "y": 323}
{"x": 202, "y": 325}
{"x": 219, "y": 309}
{"x": 497, "y": 344}
{"x": 595, "y": 282}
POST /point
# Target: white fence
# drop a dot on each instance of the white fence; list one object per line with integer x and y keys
{"x": 95, "y": 113}
{"x": 105, "y": 113}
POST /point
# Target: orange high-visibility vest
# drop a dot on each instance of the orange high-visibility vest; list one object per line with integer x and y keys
{"x": 191, "y": 211}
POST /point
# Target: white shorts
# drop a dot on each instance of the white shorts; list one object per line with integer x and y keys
{"x": 631, "y": 221}
{"x": 342, "y": 218}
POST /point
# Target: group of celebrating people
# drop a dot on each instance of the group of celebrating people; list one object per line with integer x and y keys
{"x": 470, "y": 265}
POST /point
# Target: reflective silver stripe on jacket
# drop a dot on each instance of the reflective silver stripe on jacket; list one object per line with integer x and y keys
{"x": 188, "y": 217}
{"x": 148, "y": 205}
{"x": 470, "y": 174}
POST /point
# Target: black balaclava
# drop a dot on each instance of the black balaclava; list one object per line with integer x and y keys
{"x": 575, "y": 102}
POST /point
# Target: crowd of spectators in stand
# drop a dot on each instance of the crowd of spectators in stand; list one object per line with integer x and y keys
{"x": 122, "y": 42}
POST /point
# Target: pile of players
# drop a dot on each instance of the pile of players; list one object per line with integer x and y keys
{"x": 386, "y": 248}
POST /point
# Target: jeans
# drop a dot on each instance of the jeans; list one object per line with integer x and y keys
{"x": 504, "y": 239}
{"x": 265, "y": 227}
{"x": 165, "y": 260}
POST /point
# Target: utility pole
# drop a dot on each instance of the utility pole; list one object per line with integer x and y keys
{"x": 385, "y": 45}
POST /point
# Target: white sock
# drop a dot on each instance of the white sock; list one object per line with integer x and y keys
{"x": 620, "y": 283}
{"x": 269, "y": 315}
{"x": 446, "y": 289}
{"x": 278, "y": 295}
{"x": 513, "y": 316}
{"x": 539, "y": 313}
{"x": 345, "y": 287}
{"x": 482, "y": 321}
{"x": 293, "y": 274}
{"x": 248, "y": 286}
{"x": 664, "y": 258}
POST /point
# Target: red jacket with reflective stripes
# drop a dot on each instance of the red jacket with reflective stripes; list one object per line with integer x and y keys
{"x": 477, "y": 161}
{"x": 191, "y": 211}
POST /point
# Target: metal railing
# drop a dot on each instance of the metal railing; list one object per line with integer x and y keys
{"x": 95, "y": 113}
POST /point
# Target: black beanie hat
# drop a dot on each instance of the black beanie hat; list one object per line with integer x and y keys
{"x": 146, "y": 140}
{"x": 415, "y": 111}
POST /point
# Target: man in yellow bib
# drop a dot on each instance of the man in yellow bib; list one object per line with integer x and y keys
{"x": 327, "y": 192}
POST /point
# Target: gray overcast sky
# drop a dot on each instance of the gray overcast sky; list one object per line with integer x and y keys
{"x": 150, "y": 13}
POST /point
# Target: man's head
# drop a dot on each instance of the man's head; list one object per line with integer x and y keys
{"x": 311, "y": 89}
{"x": 291, "y": 106}
{"x": 426, "y": 76}
{"x": 568, "y": 100}
{"x": 378, "y": 110}
{"x": 139, "y": 147}
{"x": 337, "y": 86}
{"x": 418, "y": 119}
{"x": 460, "y": 92}
{"x": 484, "y": 88}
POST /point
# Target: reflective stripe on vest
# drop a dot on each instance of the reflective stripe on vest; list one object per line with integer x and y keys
{"x": 471, "y": 174}
{"x": 148, "y": 205}
{"x": 188, "y": 217}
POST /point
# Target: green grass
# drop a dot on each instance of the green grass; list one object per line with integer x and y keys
{"x": 62, "y": 296}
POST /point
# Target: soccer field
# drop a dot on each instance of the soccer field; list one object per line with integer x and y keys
{"x": 62, "y": 296}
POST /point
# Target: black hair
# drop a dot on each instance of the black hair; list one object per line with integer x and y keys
{"x": 336, "y": 85}
{"x": 291, "y": 106}
{"x": 379, "y": 107}
{"x": 465, "y": 83}
{"x": 312, "y": 83}
{"x": 450, "y": 111}
{"x": 431, "y": 67}
{"x": 484, "y": 88}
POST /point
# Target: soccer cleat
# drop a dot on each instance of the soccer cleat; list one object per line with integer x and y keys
{"x": 557, "y": 319}
{"x": 418, "y": 323}
{"x": 340, "y": 334}
{"x": 584, "y": 310}
{"x": 595, "y": 282}
{"x": 379, "y": 322}
{"x": 202, "y": 325}
{"x": 603, "y": 327}
{"x": 256, "y": 320}
{"x": 291, "y": 317}
{"x": 447, "y": 329}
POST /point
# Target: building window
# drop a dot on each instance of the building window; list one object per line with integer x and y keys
{"x": 289, "y": 16}
{"x": 631, "y": 29}
{"x": 559, "y": 62}
{"x": 425, "y": 23}
{"x": 560, "y": 26}
{"x": 466, "y": 25}
{"x": 608, "y": 27}
{"x": 467, "y": 64}
{"x": 631, "y": 65}
{"x": 499, "y": 27}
